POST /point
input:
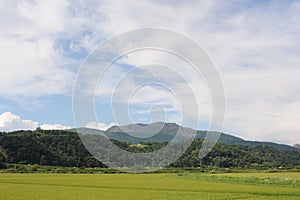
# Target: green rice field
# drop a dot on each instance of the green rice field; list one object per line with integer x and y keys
{"x": 151, "y": 186}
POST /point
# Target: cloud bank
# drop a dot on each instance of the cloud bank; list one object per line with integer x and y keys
{"x": 255, "y": 45}
{"x": 11, "y": 122}
{"x": 99, "y": 126}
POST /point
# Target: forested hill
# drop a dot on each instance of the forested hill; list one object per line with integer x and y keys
{"x": 64, "y": 148}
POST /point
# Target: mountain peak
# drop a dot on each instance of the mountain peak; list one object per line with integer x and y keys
{"x": 140, "y": 127}
{"x": 296, "y": 146}
{"x": 165, "y": 132}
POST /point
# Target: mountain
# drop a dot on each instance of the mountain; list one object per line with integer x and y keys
{"x": 143, "y": 128}
{"x": 229, "y": 139}
{"x": 135, "y": 133}
{"x": 296, "y": 146}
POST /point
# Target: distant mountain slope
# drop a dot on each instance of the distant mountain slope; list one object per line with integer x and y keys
{"x": 166, "y": 133}
{"x": 296, "y": 146}
{"x": 139, "y": 128}
{"x": 229, "y": 139}
{"x": 135, "y": 133}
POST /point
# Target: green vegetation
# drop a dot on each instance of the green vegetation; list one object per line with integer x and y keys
{"x": 55, "y": 165}
{"x": 258, "y": 178}
{"x": 62, "y": 148}
{"x": 150, "y": 186}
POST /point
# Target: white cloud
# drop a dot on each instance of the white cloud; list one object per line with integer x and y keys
{"x": 31, "y": 64}
{"x": 100, "y": 126}
{"x": 12, "y": 122}
{"x": 176, "y": 87}
{"x": 256, "y": 49}
{"x": 54, "y": 127}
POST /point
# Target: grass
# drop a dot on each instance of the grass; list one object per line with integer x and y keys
{"x": 273, "y": 179}
{"x": 151, "y": 186}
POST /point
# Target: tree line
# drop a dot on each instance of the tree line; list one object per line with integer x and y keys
{"x": 63, "y": 148}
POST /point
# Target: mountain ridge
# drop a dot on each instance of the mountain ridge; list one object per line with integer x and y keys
{"x": 167, "y": 133}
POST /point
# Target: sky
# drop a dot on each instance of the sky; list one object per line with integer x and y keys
{"x": 255, "y": 46}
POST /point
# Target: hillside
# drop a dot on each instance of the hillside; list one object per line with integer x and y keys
{"x": 64, "y": 148}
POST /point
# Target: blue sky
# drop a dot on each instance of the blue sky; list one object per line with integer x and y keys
{"x": 254, "y": 44}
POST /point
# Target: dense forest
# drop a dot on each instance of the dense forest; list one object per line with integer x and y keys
{"x": 63, "y": 148}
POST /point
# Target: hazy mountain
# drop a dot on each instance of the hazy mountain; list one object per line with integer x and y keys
{"x": 144, "y": 128}
{"x": 137, "y": 133}
{"x": 296, "y": 146}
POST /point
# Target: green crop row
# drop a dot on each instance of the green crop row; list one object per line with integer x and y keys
{"x": 146, "y": 186}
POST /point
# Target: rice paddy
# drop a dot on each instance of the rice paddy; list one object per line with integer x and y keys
{"x": 151, "y": 186}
